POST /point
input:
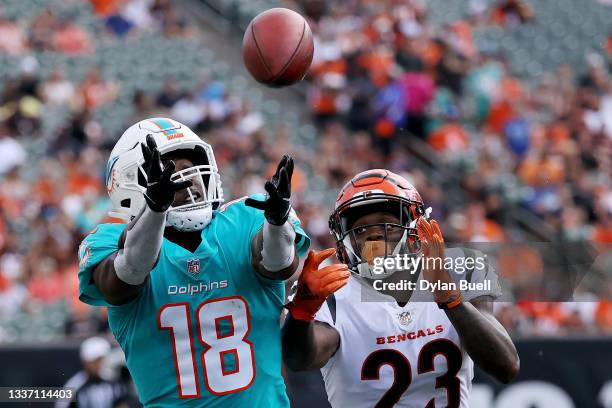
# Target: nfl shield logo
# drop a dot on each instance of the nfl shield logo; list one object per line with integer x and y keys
{"x": 404, "y": 318}
{"x": 193, "y": 266}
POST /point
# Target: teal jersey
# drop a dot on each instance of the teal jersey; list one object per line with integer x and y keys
{"x": 205, "y": 329}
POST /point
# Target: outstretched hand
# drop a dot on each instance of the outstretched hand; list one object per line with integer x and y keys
{"x": 315, "y": 285}
{"x": 277, "y": 205}
{"x": 160, "y": 189}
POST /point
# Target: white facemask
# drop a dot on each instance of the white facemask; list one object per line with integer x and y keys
{"x": 192, "y": 219}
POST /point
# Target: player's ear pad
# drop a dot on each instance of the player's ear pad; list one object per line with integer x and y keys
{"x": 373, "y": 249}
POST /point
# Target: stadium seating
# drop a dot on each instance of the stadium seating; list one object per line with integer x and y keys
{"x": 142, "y": 63}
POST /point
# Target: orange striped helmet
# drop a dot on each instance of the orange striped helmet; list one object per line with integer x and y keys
{"x": 373, "y": 191}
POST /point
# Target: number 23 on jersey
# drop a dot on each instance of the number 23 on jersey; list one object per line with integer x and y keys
{"x": 223, "y": 326}
{"x": 402, "y": 372}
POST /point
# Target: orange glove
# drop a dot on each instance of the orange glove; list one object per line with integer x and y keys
{"x": 315, "y": 285}
{"x": 433, "y": 247}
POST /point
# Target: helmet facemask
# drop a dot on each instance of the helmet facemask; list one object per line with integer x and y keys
{"x": 364, "y": 248}
{"x": 203, "y": 197}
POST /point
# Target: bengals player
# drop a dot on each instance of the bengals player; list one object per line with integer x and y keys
{"x": 385, "y": 348}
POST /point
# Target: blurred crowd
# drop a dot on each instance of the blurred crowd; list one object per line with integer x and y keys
{"x": 383, "y": 71}
{"x": 52, "y": 192}
{"x": 383, "y": 79}
{"x": 384, "y": 76}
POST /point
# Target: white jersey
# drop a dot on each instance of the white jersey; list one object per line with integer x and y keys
{"x": 392, "y": 356}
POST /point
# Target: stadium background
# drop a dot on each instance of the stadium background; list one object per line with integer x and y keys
{"x": 500, "y": 113}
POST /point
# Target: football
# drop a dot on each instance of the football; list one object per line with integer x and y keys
{"x": 277, "y": 47}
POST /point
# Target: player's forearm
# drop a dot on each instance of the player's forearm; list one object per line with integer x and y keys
{"x": 275, "y": 254}
{"x": 486, "y": 341}
{"x": 298, "y": 341}
{"x": 278, "y": 249}
{"x": 141, "y": 248}
{"x": 303, "y": 345}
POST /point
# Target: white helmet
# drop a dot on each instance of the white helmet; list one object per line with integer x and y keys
{"x": 126, "y": 179}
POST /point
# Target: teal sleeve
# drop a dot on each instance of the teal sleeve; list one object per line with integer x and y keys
{"x": 249, "y": 222}
{"x": 98, "y": 245}
{"x": 303, "y": 239}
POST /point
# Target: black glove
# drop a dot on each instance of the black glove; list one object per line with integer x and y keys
{"x": 277, "y": 205}
{"x": 160, "y": 189}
